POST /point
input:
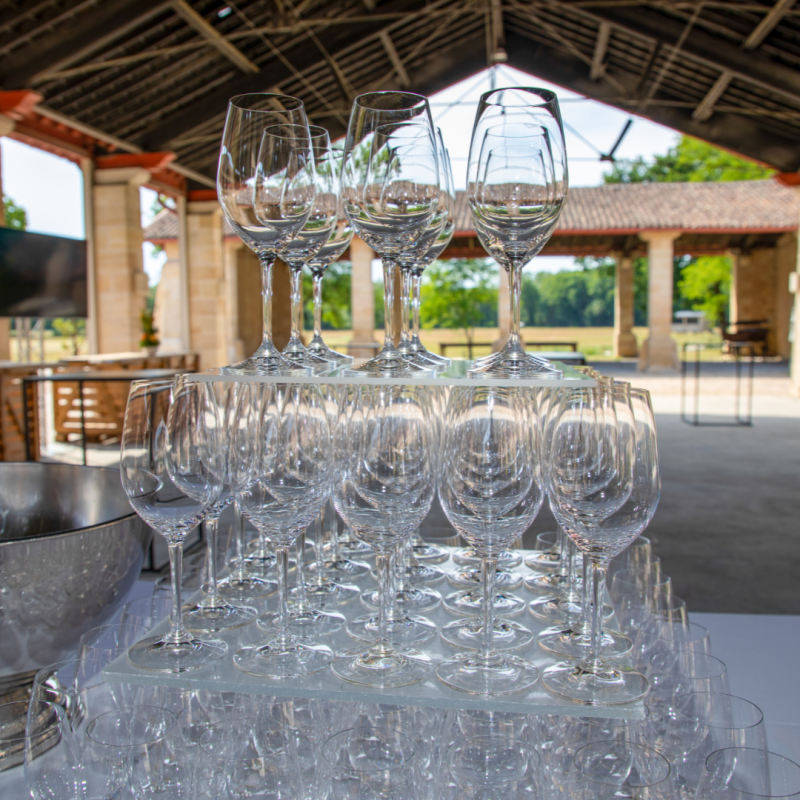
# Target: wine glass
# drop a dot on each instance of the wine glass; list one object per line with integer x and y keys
{"x": 390, "y": 192}
{"x": 341, "y": 234}
{"x": 592, "y": 476}
{"x": 316, "y": 231}
{"x": 239, "y": 186}
{"x": 383, "y": 489}
{"x": 170, "y": 473}
{"x": 243, "y": 582}
{"x": 425, "y": 250}
{"x": 289, "y": 484}
{"x": 212, "y": 612}
{"x": 747, "y": 773}
{"x": 490, "y": 489}
{"x": 516, "y": 186}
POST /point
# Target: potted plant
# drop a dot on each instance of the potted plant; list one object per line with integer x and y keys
{"x": 149, "y": 341}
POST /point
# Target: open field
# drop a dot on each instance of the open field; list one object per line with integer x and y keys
{"x": 595, "y": 343}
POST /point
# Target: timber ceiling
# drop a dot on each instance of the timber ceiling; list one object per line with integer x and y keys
{"x": 157, "y": 74}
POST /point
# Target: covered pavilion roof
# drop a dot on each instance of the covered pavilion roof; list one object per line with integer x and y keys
{"x": 155, "y": 76}
{"x": 598, "y": 220}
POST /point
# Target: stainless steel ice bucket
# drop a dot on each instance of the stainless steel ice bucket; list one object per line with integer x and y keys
{"x": 70, "y": 549}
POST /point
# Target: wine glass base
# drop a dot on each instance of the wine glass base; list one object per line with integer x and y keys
{"x": 575, "y": 644}
{"x": 223, "y": 617}
{"x": 260, "y": 564}
{"x": 330, "y": 593}
{"x": 601, "y": 684}
{"x": 513, "y": 363}
{"x": 382, "y": 668}
{"x": 549, "y": 583}
{"x": 543, "y": 561}
{"x": 468, "y": 634}
{"x": 321, "y": 350}
{"x": 390, "y": 365}
{"x": 425, "y": 574}
{"x": 277, "y": 661}
{"x": 356, "y": 548}
{"x": 497, "y": 674}
{"x": 470, "y": 603}
{"x": 308, "y": 622}
{"x": 432, "y": 553}
{"x": 415, "y": 600}
{"x": 159, "y": 655}
{"x": 268, "y": 362}
{"x": 402, "y": 630}
{"x": 343, "y": 568}
{"x": 417, "y": 346}
{"x": 473, "y": 576}
{"x": 249, "y": 587}
{"x": 297, "y": 353}
{"x": 554, "y": 610}
{"x": 467, "y": 557}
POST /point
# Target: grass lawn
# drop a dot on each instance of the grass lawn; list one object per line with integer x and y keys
{"x": 595, "y": 343}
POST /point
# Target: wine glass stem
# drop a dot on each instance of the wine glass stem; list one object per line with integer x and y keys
{"x": 212, "y": 598}
{"x": 405, "y": 305}
{"x": 266, "y": 260}
{"x": 514, "y": 299}
{"x": 586, "y": 604}
{"x": 416, "y": 289}
{"x": 238, "y": 528}
{"x": 572, "y": 575}
{"x": 489, "y": 575}
{"x": 177, "y": 632}
{"x": 297, "y": 300}
{"x": 389, "y": 269}
{"x": 316, "y": 278}
{"x": 319, "y": 553}
{"x": 300, "y": 571}
{"x": 384, "y": 590}
{"x": 563, "y": 549}
{"x": 598, "y": 586}
{"x": 334, "y": 532}
{"x": 282, "y": 554}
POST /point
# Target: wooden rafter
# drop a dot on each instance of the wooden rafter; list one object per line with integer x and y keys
{"x": 600, "y": 47}
{"x": 765, "y": 27}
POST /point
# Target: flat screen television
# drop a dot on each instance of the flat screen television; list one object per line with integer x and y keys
{"x": 41, "y": 276}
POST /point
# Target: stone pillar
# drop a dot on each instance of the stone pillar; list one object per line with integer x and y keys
{"x": 755, "y": 290}
{"x": 503, "y": 312}
{"x": 659, "y": 351}
{"x": 6, "y": 126}
{"x": 362, "y": 296}
{"x": 249, "y": 313}
{"x": 92, "y": 335}
{"x": 206, "y": 283}
{"x": 167, "y": 314}
{"x": 794, "y": 287}
{"x": 785, "y": 264}
{"x": 624, "y": 341}
{"x": 120, "y": 278}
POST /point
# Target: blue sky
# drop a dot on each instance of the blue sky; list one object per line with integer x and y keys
{"x": 50, "y": 188}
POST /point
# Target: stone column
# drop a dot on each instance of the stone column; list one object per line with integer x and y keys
{"x": 659, "y": 351}
{"x": 794, "y": 287}
{"x": 785, "y": 264}
{"x": 503, "y": 312}
{"x": 167, "y": 314}
{"x": 6, "y": 126}
{"x": 281, "y": 304}
{"x": 362, "y": 296}
{"x": 624, "y": 341}
{"x": 206, "y": 283}
{"x": 121, "y": 282}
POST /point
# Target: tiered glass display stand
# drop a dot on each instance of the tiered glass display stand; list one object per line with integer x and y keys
{"x": 223, "y": 676}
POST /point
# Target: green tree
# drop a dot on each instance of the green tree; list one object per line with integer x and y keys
{"x": 706, "y": 283}
{"x": 461, "y": 293}
{"x": 72, "y": 329}
{"x": 689, "y": 160}
{"x": 335, "y": 298}
{"x": 15, "y": 216}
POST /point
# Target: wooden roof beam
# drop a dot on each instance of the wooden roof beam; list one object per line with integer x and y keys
{"x": 600, "y": 48}
{"x": 61, "y": 48}
{"x": 209, "y": 32}
{"x": 394, "y": 57}
{"x": 765, "y": 27}
{"x": 706, "y": 107}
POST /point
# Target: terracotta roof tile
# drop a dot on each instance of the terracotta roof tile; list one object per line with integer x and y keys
{"x": 630, "y": 207}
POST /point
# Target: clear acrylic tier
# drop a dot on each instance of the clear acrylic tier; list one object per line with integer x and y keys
{"x": 223, "y": 676}
{"x": 457, "y": 374}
